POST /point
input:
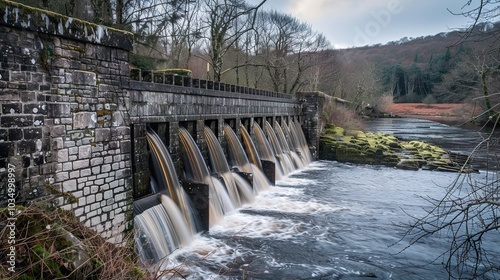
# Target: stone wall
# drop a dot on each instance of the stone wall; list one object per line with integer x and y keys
{"x": 64, "y": 118}
{"x": 312, "y": 124}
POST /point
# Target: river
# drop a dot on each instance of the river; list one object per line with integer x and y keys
{"x": 330, "y": 221}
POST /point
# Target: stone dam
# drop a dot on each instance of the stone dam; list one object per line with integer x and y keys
{"x": 73, "y": 116}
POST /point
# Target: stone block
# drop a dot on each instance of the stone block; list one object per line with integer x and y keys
{"x": 95, "y": 221}
{"x": 119, "y": 219}
{"x": 102, "y": 134}
{"x": 85, "y": 172}
{"x": 35, "y": 108}
{"x": 68, "y": 143}
{"x": 15, "y": 134}
{"x": 96, "y": 161}
{"x": 67, "y": 166}
{"x": 11, "y": 108}
{"x": 62, "y": 155}
{"x": 69, "y": 186}
{"x": 57, "y": 131}
{"x": 32, "y": 133}
{"x": 58, "y": 110}
{"x": 96, "y": 169}
{"x": 26, "y": 147}
{"x": 82, "y": 120}
{"x": 108, "y": 159}
{"x": 94, "y": 206}
{"x": 4, "y": 135}
{"x": 117, "y": 119}
{"x": 74, "y": 174}
{"x": 84, "y": 151}
{"x": 73, "y": 150}
{"x": 120, "y": 196}
{"x": 79, "y": 211}
{"x": 16, "y": 121}
{"x": 106, "y": 168}
{"x": 81, "y": 164}
{"x": 108, "y": 194}
{"x": 62, "y": 176}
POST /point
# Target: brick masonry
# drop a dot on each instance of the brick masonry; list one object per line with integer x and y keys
{"x": 74, "y": 125}
{"x": 64, "y": 116}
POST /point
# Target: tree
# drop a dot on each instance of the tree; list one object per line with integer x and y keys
{"x": 469, "y": 213}
{"x": 351, "y": 79}
{"x": 480, "y": 12}
{"x": 221, "y": 19}
{"x": 462, "y": 83}
{"x": 289, "y": 49}
{"x": 181, "y": 31}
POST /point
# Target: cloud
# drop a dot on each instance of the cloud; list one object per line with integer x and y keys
{"x": 333, "y": 10}
{"x": 358, "y": 22}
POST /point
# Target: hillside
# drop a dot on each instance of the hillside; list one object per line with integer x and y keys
{"x": 442, "y": 68}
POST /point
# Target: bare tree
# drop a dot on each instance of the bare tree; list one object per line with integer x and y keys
{"x": 469, "y": 213}
{"x": 181, "y": 31}
{"x": 480, "y": 11}
{"x": 289, "y": 47}
{"x": 221, "y": 19}
{"x": 350, "y": 78}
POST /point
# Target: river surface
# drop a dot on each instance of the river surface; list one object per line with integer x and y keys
{"x": 329, "y": 221}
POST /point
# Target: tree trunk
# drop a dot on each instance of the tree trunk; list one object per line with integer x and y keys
{"x": 487, "y": 102}
{"x": 119, "y": 13}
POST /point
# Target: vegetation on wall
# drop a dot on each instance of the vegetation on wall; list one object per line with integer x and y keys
{"x": 53, "y": 243}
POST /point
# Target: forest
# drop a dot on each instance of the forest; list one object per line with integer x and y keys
{"x": 234, "y": 42}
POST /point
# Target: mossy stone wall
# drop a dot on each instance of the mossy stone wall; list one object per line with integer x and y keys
{"x": 64, "y": 116}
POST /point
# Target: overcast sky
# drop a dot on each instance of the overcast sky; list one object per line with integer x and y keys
{"x": 348, "y": 23}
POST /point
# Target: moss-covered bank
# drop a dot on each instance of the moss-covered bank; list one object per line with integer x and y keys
{"x": 356, "y": 146}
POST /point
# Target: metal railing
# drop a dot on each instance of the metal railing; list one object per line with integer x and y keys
{"x": 187, "y": 81}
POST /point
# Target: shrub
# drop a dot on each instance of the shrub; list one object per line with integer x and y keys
{"x": 54, "y": 243}
{"x": 384, "y": 103}
{"x": 341, "y": 116}
{"x": 429, "y": 99}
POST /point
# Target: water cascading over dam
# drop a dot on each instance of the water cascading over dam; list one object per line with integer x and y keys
{"x": 167, "y": 219}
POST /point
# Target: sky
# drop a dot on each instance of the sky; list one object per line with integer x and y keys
{"x": 354, "y": 23}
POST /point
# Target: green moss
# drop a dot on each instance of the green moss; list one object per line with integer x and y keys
{"x": 102, "y": 113}
{"x": 70, "y": 198}
{"x": 183, "y": 72}
{"x": 355, "y": 133}
{"x": 75, "y": 23}
{"x": 376, "y": 148}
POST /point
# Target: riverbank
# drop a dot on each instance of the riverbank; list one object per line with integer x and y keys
{"x": 451, "y": 114}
